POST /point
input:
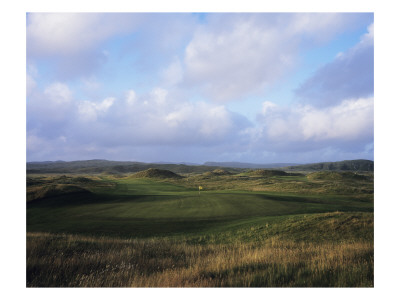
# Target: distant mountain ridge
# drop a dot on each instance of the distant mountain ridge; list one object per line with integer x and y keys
{"x": 357, "y": 165}
{"x": 111, "y": 167}
{"x": 248, "y": 165}
{"x": 117, "y": 167}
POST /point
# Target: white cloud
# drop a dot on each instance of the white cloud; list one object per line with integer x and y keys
{"x": 159, "y": 96}
{"x": 319, "y": 26}
{"x": 369, "y": 36}
{"x": 74, "y": 43}
{"x": 33, "y": 142}
{"x": 31, "y": 74}
{"x": 62, "y": 127}
{"x": 154, "y": 118}
{"x": 52, "y": 106}
{"x": 130, "y": 97}
{"x": 71, "y": 33}
{"x": 90, "y": 83}
{"x": 237, "y": 55}
{"x": 351, "y": 120}
{"x": 231, "y": 64}
{"x": 268, "y": 106}
{"x": 200, "y": 120}
{"x": 173, "y": 74}
{"x": 58, "y": 93}
{"x": 30, "y": 84}
{"x": 89, "y": 110}
{"x": 228, "y": 57}
{"x": 347, "y": 121}
{"x": 161, "y": 117}
{"x": 158, "y": 119}
{"x": 77, "y": 43}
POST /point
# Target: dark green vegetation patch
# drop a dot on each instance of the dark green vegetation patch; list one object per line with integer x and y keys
{"x": 267, "y": 173}
{"x": 156, "y": 173}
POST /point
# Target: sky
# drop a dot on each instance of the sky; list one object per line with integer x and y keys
{"x": 197, "y": 87}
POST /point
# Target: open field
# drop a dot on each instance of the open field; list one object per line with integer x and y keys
{"x": 244, "y": 229}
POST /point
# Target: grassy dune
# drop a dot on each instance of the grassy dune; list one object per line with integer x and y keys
{"x": 242, "y": 230}
{"x": 239, "y": 258}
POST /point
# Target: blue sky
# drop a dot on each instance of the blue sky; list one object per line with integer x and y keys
{"x": 254, "y": 87}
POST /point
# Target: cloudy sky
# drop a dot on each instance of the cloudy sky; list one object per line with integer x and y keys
{"x": 198, "y": 87}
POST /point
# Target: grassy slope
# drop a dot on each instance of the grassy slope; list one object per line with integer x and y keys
{"x": 78, "y": 261}
{"x": 144, "y": 208}
{"x": 329, "y": 249}
{"x": 144, "y": 232}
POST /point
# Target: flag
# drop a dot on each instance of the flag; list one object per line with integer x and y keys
{"x": 200, "y": 187}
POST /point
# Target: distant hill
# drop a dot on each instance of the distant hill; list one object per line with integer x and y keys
{"x": 54, "y": 190}
{"x": 97, "y": 166}
{"x": 156, "y": 173}
{"x": 248, "y": 165}
{"x": 111, "y": 167}
{"x": 217, "y": 172}
{"x": 359, "y": 165}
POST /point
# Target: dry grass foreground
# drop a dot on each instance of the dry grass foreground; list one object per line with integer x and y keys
{"x": 75, "y": 261}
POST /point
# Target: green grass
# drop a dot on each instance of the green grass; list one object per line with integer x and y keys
{"x": 144, "y": 208}
{"x": 77, "y": 261}
{"x": 239, "y": 231}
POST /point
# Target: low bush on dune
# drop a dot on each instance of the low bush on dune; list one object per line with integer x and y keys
{"x": 267, "y": 173}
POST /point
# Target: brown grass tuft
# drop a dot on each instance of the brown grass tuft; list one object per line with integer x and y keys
{"x": 76, "y": 261}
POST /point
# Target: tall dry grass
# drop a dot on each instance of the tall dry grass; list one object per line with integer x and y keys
{"x": 76, "y": 261}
